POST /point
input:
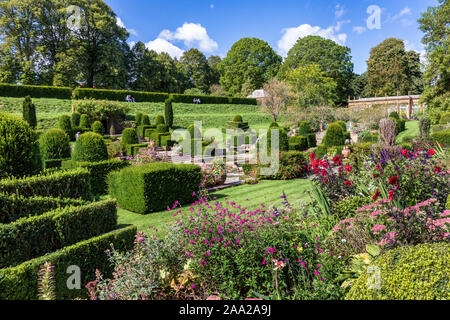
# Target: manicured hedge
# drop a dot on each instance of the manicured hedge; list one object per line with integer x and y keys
{"x": 29, "y": 238}
{"x": 298, "y": 143}
{"x": 442, "y": 137}
{"x": 155, "y": 186}
{"x": 54, "y": 163}
{"x": 133, "y": 149}
{"x": 99, "y": 171}
{"x": 14, "y": 207}
{"x": 119, "y": 95}
{"x": 20, "y": 91}
{"x": 312, "y": 140}
{"x": 20, "y": 283}
{"x": 64, "y": 184}
{"x": 186, "y": 98}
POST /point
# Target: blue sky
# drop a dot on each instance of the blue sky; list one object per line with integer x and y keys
{"x": 214, "y": 25}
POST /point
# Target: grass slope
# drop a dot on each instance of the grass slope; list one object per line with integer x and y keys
{"x": 266, "y": 192}
{"x": 412, "y": 131}
{"x": 212, "y": 115}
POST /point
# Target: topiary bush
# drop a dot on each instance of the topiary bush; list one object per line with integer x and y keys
{"x": 159, "y": 120}
{"x": 445, "y": 118}
{"x": 162, "y": 128}
{"x": 169, "y": 112}
{"x": 97, "y": 127}
{"x": 346, "y": 208}
{"x": 85, "y": 122}
{"x": 65, "y": 124}
{"x": 54, "y": 144}
{"x": 343, "y": 125}
{"x": 145, "y": 120}
{"x": 304, "y": 128}
{"x": 90, "y": 147}
{"x": 29, "y": 112}
{"x": 408, "y": 273}
{"x": 312, "y": 140}
{"x": 394, "y": 115}
{"x": 129, "y": 136}
{"x": 283, "y": 139}
{"x": 76, "y": 117}
{"x": 442, "y": 137}
{"x": 138, "y": 121}
{"x": 19, "y": 148}
{"x": 334, "y": 136}
{"x": 424, "y": 127}
{"x": 238, "y": 118}
{"x": 298, "y": 143}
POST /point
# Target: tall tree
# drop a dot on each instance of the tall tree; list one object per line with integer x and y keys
{"x": 197, "y": 70}
{"x": 435, "y": 24}
{"x": 249, "y": 59}
{"x": 278, "y": 96}
{"x": 358, "y": 86}
{"x": 213, "y": 62}
{"x": 391, "y": 70}
{"x": 312, "y": 86}
{"x": 335, "y": 60}
{"x": 144, "y": 69}
{"x": 170, "y": 74}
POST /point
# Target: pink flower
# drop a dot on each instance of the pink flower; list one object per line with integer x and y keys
{"x": 378, "y": 228}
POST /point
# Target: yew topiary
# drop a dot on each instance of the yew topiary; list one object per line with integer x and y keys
{"x": 334, "y": 136}
{"x": 90, "y": 147}
{"x": 54, "y": 144}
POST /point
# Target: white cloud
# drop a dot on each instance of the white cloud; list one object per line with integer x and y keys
{"x": 406, "y": 11}
{"x": 192, "y": 34}
{"x": 359, "y": 29}
{"x": 339, "y": 11}
{"x": 122, "y": 25}
{"x": 161, "y": 45}
{"x": 411, "y": 46}
{"x": 291, "y": 35}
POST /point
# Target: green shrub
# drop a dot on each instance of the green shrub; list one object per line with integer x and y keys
{"x": 54, "y": 163}
{"x": 29, "y": 238}
{"x": 64, "y": 184}
{"x": 304, "y": 128}
{"x": 442, "y": 137}
{"x": 85, "y": 122}
{"x": 343, "y": 125}
{"x": 119, "y": 95}
{"x": 29, "y": 112}
{"x": 20, "y": 283}
{"x": 312, "y": 140}
{"x": 162, "y": 128}
{"x": 408, "y": 273}
{"x": 346, "y": 208}
{"x": 19, "y": 149}
{"x": 283, "y": 138}
{"x": 138, "y": 121}
{"x": 185, "y": 98}
{"x": 298, "y": 143}
{"x": 76, "y": 118}
{"x": 97, "y": 127}
{"x": 133, "y": 149}
{"x": 445, "y": 118}
{"x": 129, "y": 136}
{"x": 292, "y": 166}
{"x": 159, "y": 120}
{"x": 394, "y": 115}
{"x": 447, "y": 205}
{"x": 54, "y": 144}
{"x": 424, "y": 127}
{"x": 238, "y": 118}
{"x": 141, "y": 130}
{"x": 21, "y": 91}
{"x": 13, "y": 207}
{"x": 169, "y": 112}
{"x": 98, "y": 172}
{"x": 274, "y": 125}
{"x": 101, "y": 110}
{"x": 155, "y": 186}
{"x": 65, "y": 124}
{"x": 145, "y": 120}
{"x": 334, "y": 136}
{"x": 90, "y": 147}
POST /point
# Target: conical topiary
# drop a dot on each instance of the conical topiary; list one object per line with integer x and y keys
{"x": 29, "y": 112}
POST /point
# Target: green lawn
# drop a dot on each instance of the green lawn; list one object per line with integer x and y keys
{"x": 266, "y": 192}
{"x": 412, "y": 131}
{"x": 212, "y": 115}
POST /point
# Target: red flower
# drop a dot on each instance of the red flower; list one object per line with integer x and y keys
{"x": 348, "y": 183}
{"x": 391, "y": 195}
{"x": 404, "y": 152}
{"x": 437, "y": 169}
{"x": 348, "y": 168}
{"x": 377, "y": 194}
{"x": 431, "y": 152}
{"x": 394, "y": 181}
{"x": 337, "y": 160}
{"x": 312, "y": 156}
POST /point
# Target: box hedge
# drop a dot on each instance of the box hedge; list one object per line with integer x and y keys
{"x": 186, "y": 98}
{"x": 154, "y": 187}
{"x": 133, "y": 149}
{"x": 20, "y": 282}
{"x": 298, "y": 143}
{"x": 21, "y": 91}
{"x": 64, "y": 184}
{"x": 408, "y": 273}
{"x": 442, "y": 137}
{"x": 312, "y": 140}
{"x": 99, "y": 171}
{"x": 29, "y": 238}
{"x": 119, "y": 95}
{"x": 14, "y": 207}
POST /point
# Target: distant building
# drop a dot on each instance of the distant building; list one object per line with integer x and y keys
{"x": 258, "y": 94}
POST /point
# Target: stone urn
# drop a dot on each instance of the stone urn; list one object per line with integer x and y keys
{"x": 219, "y": 180}
{"x": 346, "y": 152}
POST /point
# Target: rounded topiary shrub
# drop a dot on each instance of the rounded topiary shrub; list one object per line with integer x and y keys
{"x": 283, "y": 139}
{"x": 162, "y": 128}
{"x": 54, "y": 144}
{"x": 76, "y": 117}
{"x": 274, "y": 125}
{"x": 407, "y": 273}
{"x": 65, "y": 124}
{"x": 84, "y": 121}
{"x": 304, "y": 127}
{"x": 343, "y": 125}
{"x": 394, "y": 115}
{"x": 145, "y": 120}
{"x": 19, "y": 149}
{"x": 90, "y": 147}
{"x": 159, "y": 120}
{"x": 334, "y": 136}
{"x": 129, "y": 136}
{"x": 97, "y": 127}
{"x": 238, "y": 118}
{"x": 139, "y": 116}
